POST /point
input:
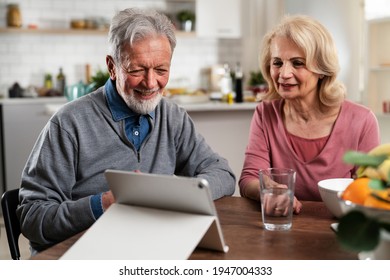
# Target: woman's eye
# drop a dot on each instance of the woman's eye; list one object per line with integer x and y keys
{"x": 277, "y": 63}
{"x": 298, "y": 63}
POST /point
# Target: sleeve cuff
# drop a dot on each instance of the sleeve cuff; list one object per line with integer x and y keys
{"x": 96, "y": 205}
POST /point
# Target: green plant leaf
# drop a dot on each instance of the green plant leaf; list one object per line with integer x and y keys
{"x": 357, "y": 232}
{"x": 100, "y": 78}
{"x": 185, "y": 15}
{"x": 256, "y": 78}
{"x": 362, "y": 159}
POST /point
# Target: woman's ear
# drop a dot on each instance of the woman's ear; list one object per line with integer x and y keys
{"x": 110, "y": 67}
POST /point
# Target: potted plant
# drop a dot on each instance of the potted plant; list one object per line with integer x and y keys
{"x": 256, "y": 79}
{"x": 257, "y": 84}
{"x": 186, "y": 19}
{"x": 99, "y": 79}
{"x": 365, "y": 226}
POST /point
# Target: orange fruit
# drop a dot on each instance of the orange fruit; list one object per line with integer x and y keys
{"x": 378, "y": 199}
{"x": 357, "y": 191}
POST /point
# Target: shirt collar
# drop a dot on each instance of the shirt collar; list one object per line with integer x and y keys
{"x": 119, "y": 109}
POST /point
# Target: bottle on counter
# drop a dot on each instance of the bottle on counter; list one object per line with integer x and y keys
{"x": 15, "y": 91}
{"x": 238, "y": 83}
{"x": 88, "y": 73}
{"x": 226, "y": 83}
{"x": 48, "y": 83}
{"x": 61, "y": 82}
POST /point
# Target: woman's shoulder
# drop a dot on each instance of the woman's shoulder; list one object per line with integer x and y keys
{"x": 355, "y": 108}
{"x": 270, "y": 106}
{"x": 359, "y": 113}
{"x": 269, "y": 111}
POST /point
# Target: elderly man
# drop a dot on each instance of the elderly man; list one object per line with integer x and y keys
{"x": 124, "y": 125}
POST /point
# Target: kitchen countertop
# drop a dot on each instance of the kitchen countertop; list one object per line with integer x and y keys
{"x": 54, "y": 103}
{"x": 32, "y": 100}
{"x": 219, "y": 106}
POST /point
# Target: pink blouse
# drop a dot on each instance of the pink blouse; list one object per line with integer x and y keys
{"x": 306, "y": 149}
{"x": 356, "y": 128}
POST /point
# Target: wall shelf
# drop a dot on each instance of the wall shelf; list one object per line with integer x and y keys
{"x": 70, "y": 31}
{"x": 14, "y": 30}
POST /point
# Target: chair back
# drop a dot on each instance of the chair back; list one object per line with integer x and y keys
{"x": 9, "y": 203}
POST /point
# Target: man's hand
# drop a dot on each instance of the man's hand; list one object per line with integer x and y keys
{"x": 107, "y": 200}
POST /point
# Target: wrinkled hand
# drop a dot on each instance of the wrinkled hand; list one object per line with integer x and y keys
{"x": 278, "y": 205}
{"x": 108, "y": 197}
{"x": 297, "y": 206}
{"x": 107, "y": 200}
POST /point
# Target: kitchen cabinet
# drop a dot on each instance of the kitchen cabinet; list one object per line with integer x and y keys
{"x": 21, "y": 122}
{"x": 377, "y": 63}
{"x": 218, "y": 18}
{"x": 226, "y": 130}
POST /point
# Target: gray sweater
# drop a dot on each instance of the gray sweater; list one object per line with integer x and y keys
{"x": 66, "y": 166}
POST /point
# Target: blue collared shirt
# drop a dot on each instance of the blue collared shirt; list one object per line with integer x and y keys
{"x": 137, "y": 127}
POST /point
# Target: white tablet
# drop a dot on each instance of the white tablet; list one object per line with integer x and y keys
{"x": 175, "y": 193}
{"x": 179, "y": 209}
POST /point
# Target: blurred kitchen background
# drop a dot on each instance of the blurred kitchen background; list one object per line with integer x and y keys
{"x": 38, "y": 38}
{"x": 225, "y": 31}
{"x": 48, "y": 42}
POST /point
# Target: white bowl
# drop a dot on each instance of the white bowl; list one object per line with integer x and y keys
{"x": 329, "y": 189}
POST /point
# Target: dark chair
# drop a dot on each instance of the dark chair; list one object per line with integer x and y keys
{"x": 9, "y": 203}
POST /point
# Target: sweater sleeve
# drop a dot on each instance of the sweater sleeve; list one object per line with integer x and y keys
{"x": 48, "y": 213}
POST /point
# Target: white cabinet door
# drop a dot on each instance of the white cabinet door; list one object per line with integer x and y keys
{"x": 22, "y": 124}
{"x": 218, "y": 18}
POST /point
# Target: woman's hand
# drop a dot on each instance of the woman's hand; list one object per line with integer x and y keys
{"x": 252, "y": 191}
{"x": 297, "y": 206}
{"x": 278, "y": 205}
{"x": 275, "y": 204}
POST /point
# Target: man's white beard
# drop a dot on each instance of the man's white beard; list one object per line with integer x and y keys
{"x": 142, "y": 107}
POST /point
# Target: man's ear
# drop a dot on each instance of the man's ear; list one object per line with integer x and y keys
{"x": 110, "y": 67}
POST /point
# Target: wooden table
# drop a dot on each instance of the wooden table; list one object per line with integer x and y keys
{"x": 310, "y": 238}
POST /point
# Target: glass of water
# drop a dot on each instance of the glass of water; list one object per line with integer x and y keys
{"x": 277, "y": 197}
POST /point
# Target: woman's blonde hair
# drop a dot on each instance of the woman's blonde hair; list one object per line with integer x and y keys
{"x": 320, "y": 52}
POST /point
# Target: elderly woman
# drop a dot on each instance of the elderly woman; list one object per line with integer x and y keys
{"x": 305, "y": 121}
